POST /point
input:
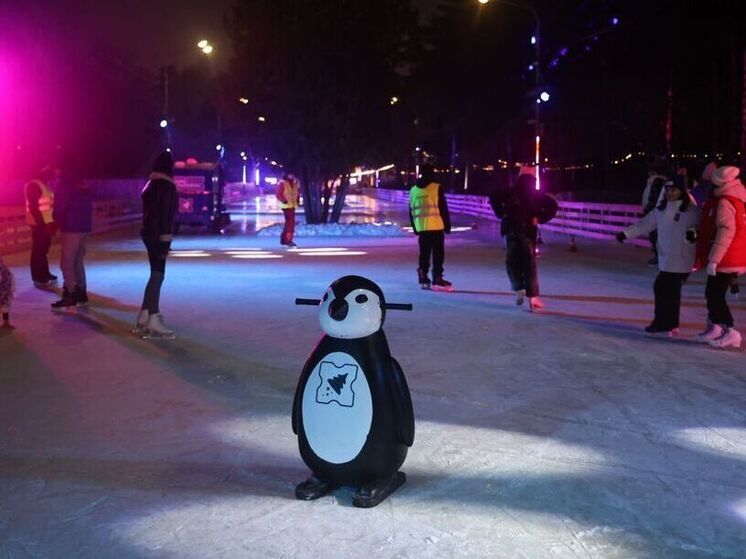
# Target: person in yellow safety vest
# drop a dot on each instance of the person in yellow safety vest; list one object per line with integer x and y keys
{"x": 39, "y": 206}
{"x": 428, "y": 213}
{"x": 288, "y": 195}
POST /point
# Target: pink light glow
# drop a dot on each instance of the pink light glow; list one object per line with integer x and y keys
{"x": 537, "y": 154}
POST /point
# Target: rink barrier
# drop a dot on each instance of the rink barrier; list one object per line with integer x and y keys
{"x": 575, "y": 219}
{"x": 15, "y": 235}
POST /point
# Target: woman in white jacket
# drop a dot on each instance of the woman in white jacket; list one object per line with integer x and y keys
{"x": 676, "y": 213}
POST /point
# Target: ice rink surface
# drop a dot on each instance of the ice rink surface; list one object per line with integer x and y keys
{"x": 554, "y": 435}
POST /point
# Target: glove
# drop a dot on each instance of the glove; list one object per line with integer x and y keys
{"x": 691, "y": 235}
{"x": 621, "y": 237}
{"x": 712, "y": 269}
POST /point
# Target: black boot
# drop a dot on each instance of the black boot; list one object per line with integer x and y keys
{"x": 440, "y": 283}
{"x": 423, "y": 279}
{"x": 373, "y": 493}
{"x": 67, "y": 300}
{"x": 313, "y": 488}
{"x": 81, "y": 296}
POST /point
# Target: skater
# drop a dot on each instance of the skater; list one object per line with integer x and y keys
{"x": 73, "y": 211}
{"x": 288, "y": 195}
{"x": 39, "y": 206}
{"x": 520, "y": 210}
{"x": 428, "y": 213}
{"x": 676, "y": 214}
{"x": 650, "y": 199}
{"x": 701, "y": 192}
{"x": 721, "y": 248}
{"x": 159, "y": 205}
{"x": 7, "y": 289}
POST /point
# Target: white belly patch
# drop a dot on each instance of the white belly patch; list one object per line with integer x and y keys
{"x": 337, "y": 408}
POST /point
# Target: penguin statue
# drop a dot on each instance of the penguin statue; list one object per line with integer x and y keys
{"x": 352, "y": 410}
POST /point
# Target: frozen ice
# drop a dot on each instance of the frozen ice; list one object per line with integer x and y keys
{"x": 562, "y": 434}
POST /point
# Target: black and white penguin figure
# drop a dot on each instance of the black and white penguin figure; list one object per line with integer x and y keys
{"x": 352, "y": 410}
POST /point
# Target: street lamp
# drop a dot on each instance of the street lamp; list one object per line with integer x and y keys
{"x": 243, "y": 100}
{"x": 536, "y": 42}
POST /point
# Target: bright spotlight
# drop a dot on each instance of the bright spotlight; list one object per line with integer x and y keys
{"x": 203, "y": 43}
{"x": 163, "y": 123}
{"x": 544, "y": 96}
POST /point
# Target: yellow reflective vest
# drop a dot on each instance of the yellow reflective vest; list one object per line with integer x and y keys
{"x": 423, "y": 203}
{"x": 46, "y": 202}
{"x": 288, "y": 190}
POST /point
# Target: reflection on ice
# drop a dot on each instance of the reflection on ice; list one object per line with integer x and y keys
{"x": 726, "y": 441}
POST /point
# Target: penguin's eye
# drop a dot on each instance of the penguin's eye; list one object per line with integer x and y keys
{"x": 361, "y": 299}
{"x": 326, "y": 296}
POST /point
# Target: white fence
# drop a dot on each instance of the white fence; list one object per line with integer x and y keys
{"x": 576, "y": 219}
{"x": 15, "y": 235}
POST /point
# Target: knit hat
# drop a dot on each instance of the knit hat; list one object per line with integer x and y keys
{"x": 724, "y": 175}
{"x": 708, "y": 171}
{"x": 164, "y": 163}
{"x": 679, "y": 181}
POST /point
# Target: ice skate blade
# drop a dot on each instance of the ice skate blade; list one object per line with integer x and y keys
{"x": 313, "y": 488}
{"x": 72, "y": 309}
{"x": 441, "y": 288}
{"x": 425, "y": 286}
{"x": 372, "y": 494}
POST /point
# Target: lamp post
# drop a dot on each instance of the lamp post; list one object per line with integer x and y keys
{"x": 536, "y": 42}
{"x": 206, "y": 48}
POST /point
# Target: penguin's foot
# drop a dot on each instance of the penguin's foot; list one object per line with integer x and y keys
{"x": 313, "y": 488}
{"x": 373, "y": 493}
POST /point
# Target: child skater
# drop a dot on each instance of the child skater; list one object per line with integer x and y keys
{"x": 7, "y": 288}
{"x": 721, "y": 249}
{"x": 675, "y": 214}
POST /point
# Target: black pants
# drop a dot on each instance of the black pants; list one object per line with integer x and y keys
{"x": 432, "y": 243}
{"x": 41, "y": 240}
{"x": 520, "y": 262}
{"x": 157, "y": 254}
{"x": 667, "y": 289}
{"x": 717, "y": 307}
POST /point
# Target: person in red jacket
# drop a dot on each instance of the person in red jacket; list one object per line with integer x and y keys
{"x": 721, "y": 249}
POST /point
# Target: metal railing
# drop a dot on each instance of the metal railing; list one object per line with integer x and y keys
{"x": 576, "y": 219}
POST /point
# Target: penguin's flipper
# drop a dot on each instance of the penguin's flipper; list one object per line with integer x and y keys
{"x": 298, "y": 397}
{"x": 402, "y": 405}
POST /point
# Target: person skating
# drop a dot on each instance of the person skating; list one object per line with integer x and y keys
{"x": 431, "y": 221}
{"x": 676, "y": 214}
{"x": 288, "y": 195}
{"x": 7, "y": 290}
{"x": 721, "y": 249}
{"x": 520, "y": 210}
{"x": 73, "y": 211}
{"x": 159, "y": 205}
{"x": 39, "y": 208}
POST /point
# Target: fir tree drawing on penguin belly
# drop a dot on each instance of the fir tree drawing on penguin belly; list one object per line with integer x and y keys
{"x": 352, "y": 410}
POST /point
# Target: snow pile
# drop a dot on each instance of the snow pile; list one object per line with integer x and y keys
{"x": 386, "y": 229}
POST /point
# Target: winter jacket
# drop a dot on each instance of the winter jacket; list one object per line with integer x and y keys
{"x": 287, "y": 194}
{"x": 419, "y": 195}
{"x": 39, "y": 203}
{"x": 521, "y": 208}
{"x": 675, "y": 253}
{"x": 722, "y": 238}
{"x": 159, "y": 207}
{"x": 73, "y": 207}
